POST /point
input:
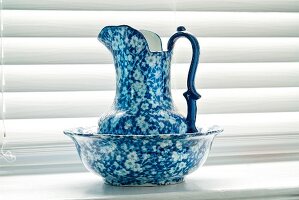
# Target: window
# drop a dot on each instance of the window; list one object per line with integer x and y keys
{"x": 56, "y": 75}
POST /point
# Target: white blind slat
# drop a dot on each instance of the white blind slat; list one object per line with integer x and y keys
{"x": 238, "y": 124}
{"x": 236, "y": 146}
{"x": 23, "y": 23}
{"x": 187, "y": 5}
{"x": 91, "y": 104}
{"x": 97, "y": 77}
{"x": 89, "y": 50}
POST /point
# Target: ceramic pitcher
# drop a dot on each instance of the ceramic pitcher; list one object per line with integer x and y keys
{"x": 143, "y": 103}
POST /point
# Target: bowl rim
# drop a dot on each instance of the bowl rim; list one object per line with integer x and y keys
{"x": 79, "y": 131}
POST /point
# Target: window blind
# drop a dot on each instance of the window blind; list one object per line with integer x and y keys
{"x": 56, "y": 75}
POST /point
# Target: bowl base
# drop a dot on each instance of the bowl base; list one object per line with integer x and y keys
{"x": 145, "y": 183}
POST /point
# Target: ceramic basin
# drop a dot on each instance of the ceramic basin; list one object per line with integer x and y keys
{"x": 142, "y": 160}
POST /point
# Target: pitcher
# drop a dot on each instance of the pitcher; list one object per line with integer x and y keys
{"x": 143, "y": 104}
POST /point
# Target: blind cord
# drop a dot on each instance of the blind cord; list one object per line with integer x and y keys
{"x": 5, "y": 154}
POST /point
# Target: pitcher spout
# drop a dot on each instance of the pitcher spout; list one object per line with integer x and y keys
{"x": 110, "y": 39}
{"x": 118, "y": 37}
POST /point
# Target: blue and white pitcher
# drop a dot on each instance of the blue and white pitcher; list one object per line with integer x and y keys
{"x": 143, "y": 104}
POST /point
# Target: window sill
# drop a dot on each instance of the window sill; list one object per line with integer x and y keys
{"x": 255, "y": 181}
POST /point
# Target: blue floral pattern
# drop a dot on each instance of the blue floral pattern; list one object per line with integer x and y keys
{"x": 142, "y": 140}
{"x": 143, "y": 103}
{"x": 142, "y": 159}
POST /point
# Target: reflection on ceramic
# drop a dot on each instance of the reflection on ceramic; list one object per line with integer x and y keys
{"x": 130, "y": 160}
{"x": 143, "y": 103}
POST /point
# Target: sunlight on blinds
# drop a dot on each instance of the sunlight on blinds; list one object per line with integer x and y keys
{"x": 56, "y": 75}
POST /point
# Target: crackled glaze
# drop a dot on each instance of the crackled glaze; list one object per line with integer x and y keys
{"x": 143, "y": 103}
{"x": 142, "y": 159}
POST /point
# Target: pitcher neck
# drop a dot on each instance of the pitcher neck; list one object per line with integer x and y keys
{"x": 145, "y": 82}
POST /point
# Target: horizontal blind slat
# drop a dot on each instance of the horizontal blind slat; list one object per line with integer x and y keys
{"x": 64, "y": 158}
{"x": 91, "y": 104}
{"x": 90, "y": 51}
{"x": 31, "y": 23}
{"x": 96, "y": 77}
{"x": 49, "y": 131}
{"x": 187, "y": 5}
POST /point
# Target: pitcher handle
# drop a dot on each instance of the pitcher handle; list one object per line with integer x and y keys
{"x": 191, "y": 94}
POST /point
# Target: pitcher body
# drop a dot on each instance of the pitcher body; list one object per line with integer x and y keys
{"x": 143, "y": 104}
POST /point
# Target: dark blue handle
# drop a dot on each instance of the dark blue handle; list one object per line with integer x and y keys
{"x": 191, "y": 95}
